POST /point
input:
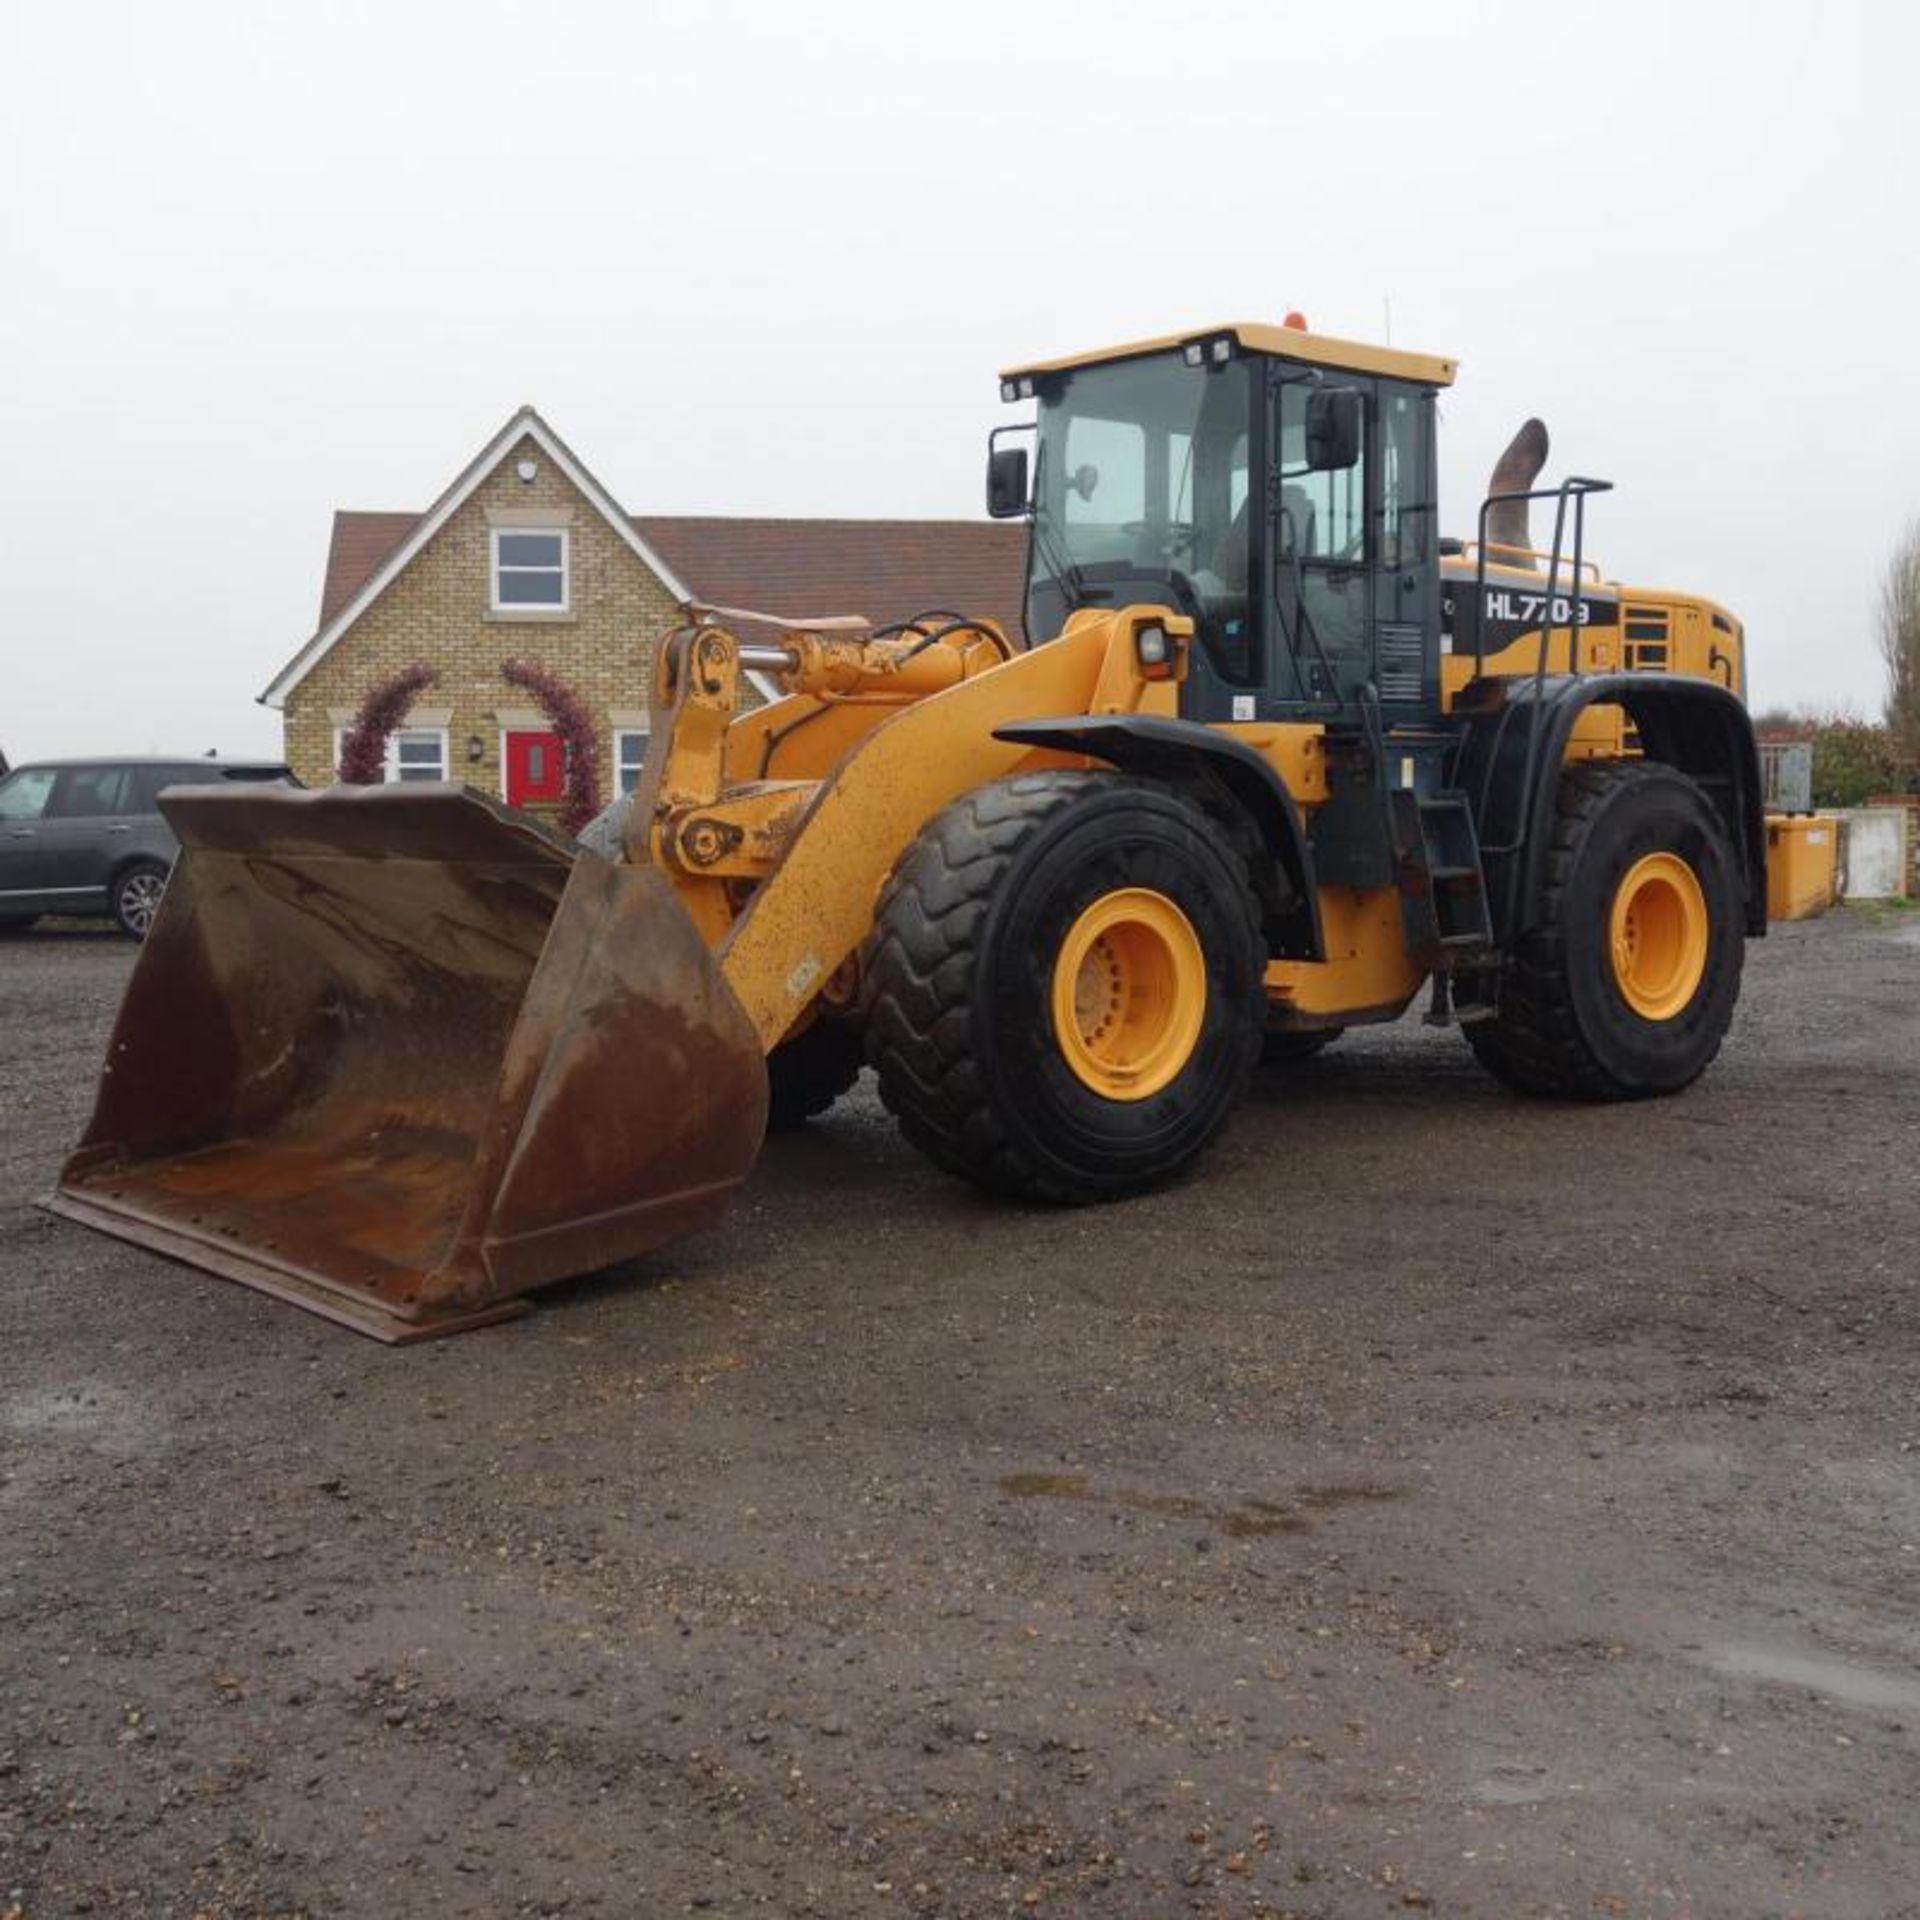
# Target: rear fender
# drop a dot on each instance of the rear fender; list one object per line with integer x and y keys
{"x": 1696, "y": 726}
{"x": 1229, "y": 778}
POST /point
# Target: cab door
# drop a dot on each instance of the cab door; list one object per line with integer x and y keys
{"x": 1406, "y": 634}
{"x": 1322, "y": 579}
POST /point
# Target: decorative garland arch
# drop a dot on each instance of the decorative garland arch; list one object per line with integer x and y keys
{"x": 578, "y": 737}
{"x": 363, "y": 747}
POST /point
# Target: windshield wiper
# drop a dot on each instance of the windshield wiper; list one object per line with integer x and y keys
{"x": 1063, "y": 569}
{"x": 1305, "y": 624}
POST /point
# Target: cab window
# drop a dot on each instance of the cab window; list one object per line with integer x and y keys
{"x": 1323, "y": 516}
{"x": 1406, "y": 496}
{"x": 1106, "y": 472}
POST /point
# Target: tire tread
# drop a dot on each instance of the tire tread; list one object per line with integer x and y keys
{"x": 1535, "y": 1044}
{"x": 919, "y": 975}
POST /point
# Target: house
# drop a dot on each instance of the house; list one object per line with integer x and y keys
{"x": 526, "y": 555}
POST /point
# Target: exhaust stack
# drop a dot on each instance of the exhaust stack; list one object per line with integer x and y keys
{"x": 1514, "y": 472}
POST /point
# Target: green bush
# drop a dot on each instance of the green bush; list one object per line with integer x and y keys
{"x": 1852, "y": 761}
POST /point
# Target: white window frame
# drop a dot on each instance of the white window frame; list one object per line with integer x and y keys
{"x": 390, "y": 767}
{"x": 524, "y": 609}
{"x": 628, "y": 733}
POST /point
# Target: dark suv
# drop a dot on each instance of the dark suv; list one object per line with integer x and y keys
{"x": 86, "y": 836}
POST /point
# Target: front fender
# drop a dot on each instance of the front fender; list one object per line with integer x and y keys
{"x": 1229, "y": 774}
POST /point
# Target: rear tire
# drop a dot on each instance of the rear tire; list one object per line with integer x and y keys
{"x": 12, "y": 923}
{"x": 1626, "y": 987}
{"x": 137, "y": 889}
{"x": 807, "y": 1074}
{"x": 1063, "y": 995}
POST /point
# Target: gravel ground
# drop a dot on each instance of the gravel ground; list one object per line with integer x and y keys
{"x": 1441, "y": 1503}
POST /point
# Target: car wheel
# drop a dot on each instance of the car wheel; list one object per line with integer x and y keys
{"x": 136, "y": 897}
{"x": 12, "y": 923}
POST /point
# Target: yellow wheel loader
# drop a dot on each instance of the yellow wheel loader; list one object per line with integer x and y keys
{"x": 1269, "y": 757}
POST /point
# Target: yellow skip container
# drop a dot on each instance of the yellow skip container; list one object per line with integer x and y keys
{"x": 1802, "y": 865}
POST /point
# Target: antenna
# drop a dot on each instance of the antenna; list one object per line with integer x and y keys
{"x": 1386, "y": 309}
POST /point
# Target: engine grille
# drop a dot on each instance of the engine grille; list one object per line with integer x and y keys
{"x": 1399, "y": 661}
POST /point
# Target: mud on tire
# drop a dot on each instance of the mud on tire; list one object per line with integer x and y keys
{"x": 1565, "y": 1026}
{"x": 958, "y": 983}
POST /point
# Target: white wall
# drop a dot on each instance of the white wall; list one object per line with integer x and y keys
{"x": 1873, "y": 858}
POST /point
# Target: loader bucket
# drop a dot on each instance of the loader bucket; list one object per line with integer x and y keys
{"x": 396, "y": 1055}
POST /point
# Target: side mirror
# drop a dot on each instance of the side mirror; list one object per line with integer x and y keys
{"x": 1006, "y": 482}
{"x": 1334, "y": 420}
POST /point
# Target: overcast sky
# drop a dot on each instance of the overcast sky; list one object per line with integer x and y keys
{"x": 261, "y": 261}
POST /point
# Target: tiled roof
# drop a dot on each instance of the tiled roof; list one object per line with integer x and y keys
{"x": 885, "y": 569}
{"x": 360, "y": 542}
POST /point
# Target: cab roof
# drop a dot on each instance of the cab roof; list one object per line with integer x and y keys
{"x": 1291, "y": 343}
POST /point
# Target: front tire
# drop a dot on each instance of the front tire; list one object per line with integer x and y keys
{"x": 136, "y": 897}
{"x": 1063, "y": 996}
{"x": 1626, "y": 987}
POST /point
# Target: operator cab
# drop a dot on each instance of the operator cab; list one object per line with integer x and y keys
{"x": 1276, "y": 486}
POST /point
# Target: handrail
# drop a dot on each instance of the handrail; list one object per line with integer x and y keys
{"x": 1590, "y": 567}
{"x": 1575, "y": 489}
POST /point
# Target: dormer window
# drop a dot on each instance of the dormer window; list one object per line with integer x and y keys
{"x": 530, "y": 570}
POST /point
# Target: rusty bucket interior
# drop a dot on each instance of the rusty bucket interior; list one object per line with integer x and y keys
{"x": 399, "y": 1055}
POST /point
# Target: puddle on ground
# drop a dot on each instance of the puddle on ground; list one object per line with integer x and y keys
{"x": 1838, "y": 1679}
{"x": 1517, "y": 1787}
{"x": 1047, "y": 1486}
{"x": 1251, "y": 1519}
{"x": 1344, "y": 1496}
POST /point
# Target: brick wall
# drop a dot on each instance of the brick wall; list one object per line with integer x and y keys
{"x": 437, "y": 611}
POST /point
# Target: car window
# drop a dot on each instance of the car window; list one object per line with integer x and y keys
{"x": 24, "y": 796}
{"x": 146, "y": 785}
{"x": 149, "y": 783}
{"x": 86, "y": 793}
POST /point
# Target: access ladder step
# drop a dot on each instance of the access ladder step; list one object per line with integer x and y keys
{"x": 1443, "y": 893}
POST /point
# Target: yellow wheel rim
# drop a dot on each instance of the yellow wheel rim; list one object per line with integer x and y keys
{"x": 1129, "y": 993}
{"x": 1658, "y": 937}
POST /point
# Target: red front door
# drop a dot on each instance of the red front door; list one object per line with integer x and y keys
{"x": 536, "y": 768}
